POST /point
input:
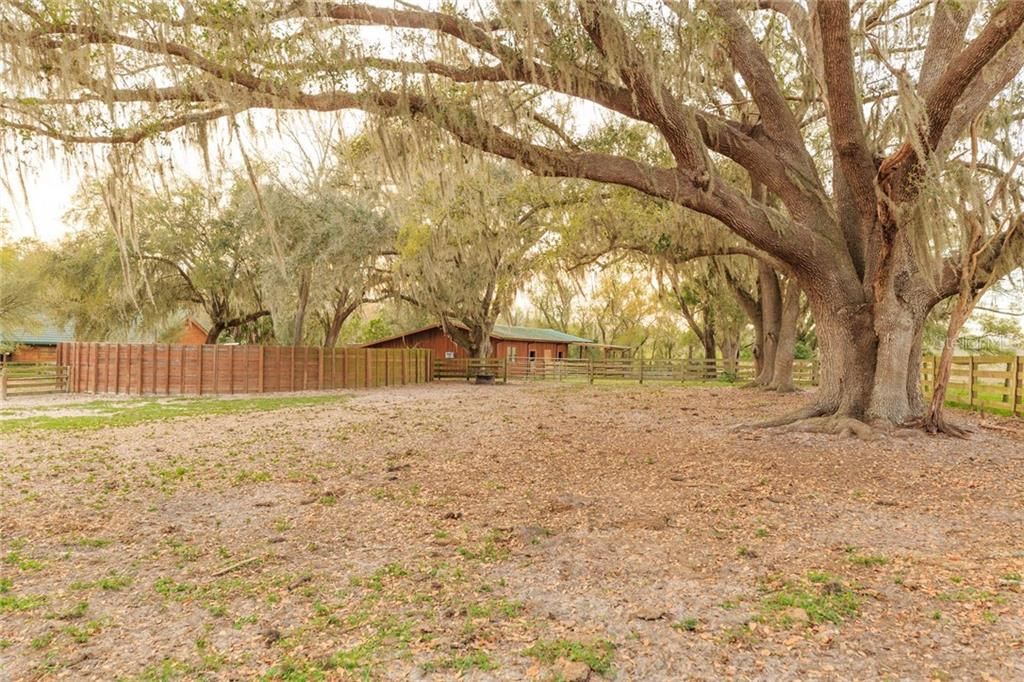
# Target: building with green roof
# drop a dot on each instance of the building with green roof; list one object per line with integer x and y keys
{"x": 506, "y": 342}
{"x": 33, "y": 342}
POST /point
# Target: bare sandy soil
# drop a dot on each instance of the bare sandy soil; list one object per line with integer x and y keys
{"x": 510, "y": 532}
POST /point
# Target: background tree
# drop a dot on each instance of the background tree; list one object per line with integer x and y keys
{"x": 185, "y": 249}
{"x": 88, "y": 288}
{"x": 467, "y": 245}
{"x": 23, "y": 265}
{"x": 330, "y": 241}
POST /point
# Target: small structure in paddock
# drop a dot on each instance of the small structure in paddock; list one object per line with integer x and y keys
{"x": 33, "y": 342}
{"x": 192, "y": 333}
{"x": 534, "y": 343}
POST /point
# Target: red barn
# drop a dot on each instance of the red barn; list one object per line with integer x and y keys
{"x": 506, "y": 342}
{"x": 192, "y": 333}
{"x": 34, "y": 342}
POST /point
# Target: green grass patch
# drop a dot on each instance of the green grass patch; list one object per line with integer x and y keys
{"x": 112, "y": 582}
{"x": 359, "y": 659}
{"x": 110, "y": 414}
{"x": 22, "y": 563}
{"x": 173, "y": 590}
{"x": 868, "y": 560}
{"x": 90, "y": 543}
{"x": 972, "y": 594}
{"x": 463, "y": 663}
{"x": 686, "y": 625}
{"x": 495, "y": 608}
{"x": 598, "y": 655}
{"x": 822, "y": 598}
{"x": 493, "y": 548}
{"x": 11, "y": 602}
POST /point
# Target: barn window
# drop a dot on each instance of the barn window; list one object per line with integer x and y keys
{"x": 533, "y": 355}
{"x": 559, "y": 355}
{"x": 449, "y": 355}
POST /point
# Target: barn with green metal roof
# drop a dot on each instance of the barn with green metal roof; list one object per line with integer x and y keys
{"x": 34, "y": 342}
{"x": 506, "y": 342}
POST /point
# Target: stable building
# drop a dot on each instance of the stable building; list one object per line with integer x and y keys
{"x": 33, "y": 342}
{"x": 535, "y": 343}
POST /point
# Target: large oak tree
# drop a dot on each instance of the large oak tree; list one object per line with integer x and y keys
{"x": 852, "y": 204}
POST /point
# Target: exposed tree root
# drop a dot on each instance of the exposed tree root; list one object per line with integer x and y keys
{"x": 809, "y": 412}
{"x": 838, "y": 425}
{"x": 935, "y": 424}
{"x": 826, "y": 419}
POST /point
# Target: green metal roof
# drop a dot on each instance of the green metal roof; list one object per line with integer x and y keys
{"x": 507, "y": 333}
{"x": 42, "y": 334}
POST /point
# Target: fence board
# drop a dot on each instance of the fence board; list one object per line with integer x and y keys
{"x": 175, "y": 369}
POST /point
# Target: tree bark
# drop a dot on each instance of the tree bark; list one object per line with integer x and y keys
{"x": 934, "y": 420}
{"x": 299, "y": 322}
{"x": 341, "y": 312}
{"x": 771, "y": 320}
{"x": 730, "y": 347}
{"x": 710, "y": 345}
{"x": 782, "y": 374}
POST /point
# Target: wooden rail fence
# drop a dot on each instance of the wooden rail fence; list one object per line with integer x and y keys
{"x": 624, "y": 369}
{"x": 985, "y": 382}
{"x": 32, "y": 378}
{"x": 176, "y": 369}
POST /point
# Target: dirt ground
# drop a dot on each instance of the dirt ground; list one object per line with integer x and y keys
{"x": 510, "y": 532}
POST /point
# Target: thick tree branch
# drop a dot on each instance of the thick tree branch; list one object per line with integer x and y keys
{"x": 945, "y": 40}
{"x": 844, "y": 112}
{"x": 777, "y": 118}
{"x": 962, "y": 69}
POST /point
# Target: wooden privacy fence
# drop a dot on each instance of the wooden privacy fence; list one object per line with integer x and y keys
{"x": 175, "y": 369}
{"x": 29, "y": 378}
{"x": 621, "y": 369}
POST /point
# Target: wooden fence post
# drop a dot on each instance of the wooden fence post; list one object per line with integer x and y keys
{"x": 259, "y": 369}
{"x": 590, "y": 370}
{"x": 202, "y": 352}
{"x": 970, "y": 382}
{"x": 1006, "y": 382}
{"x": 641, "y": 369}
{"x": 1015, "y": 385}
{"x": 320, "y": 369}
{"x": 3, "y": 383}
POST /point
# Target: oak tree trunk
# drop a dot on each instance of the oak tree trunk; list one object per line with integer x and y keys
{"x": 782, "y": 374}
{"x": 299, "y": 322}
{"x": 771, "y": 319}
{"x": 216, "y": 329}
